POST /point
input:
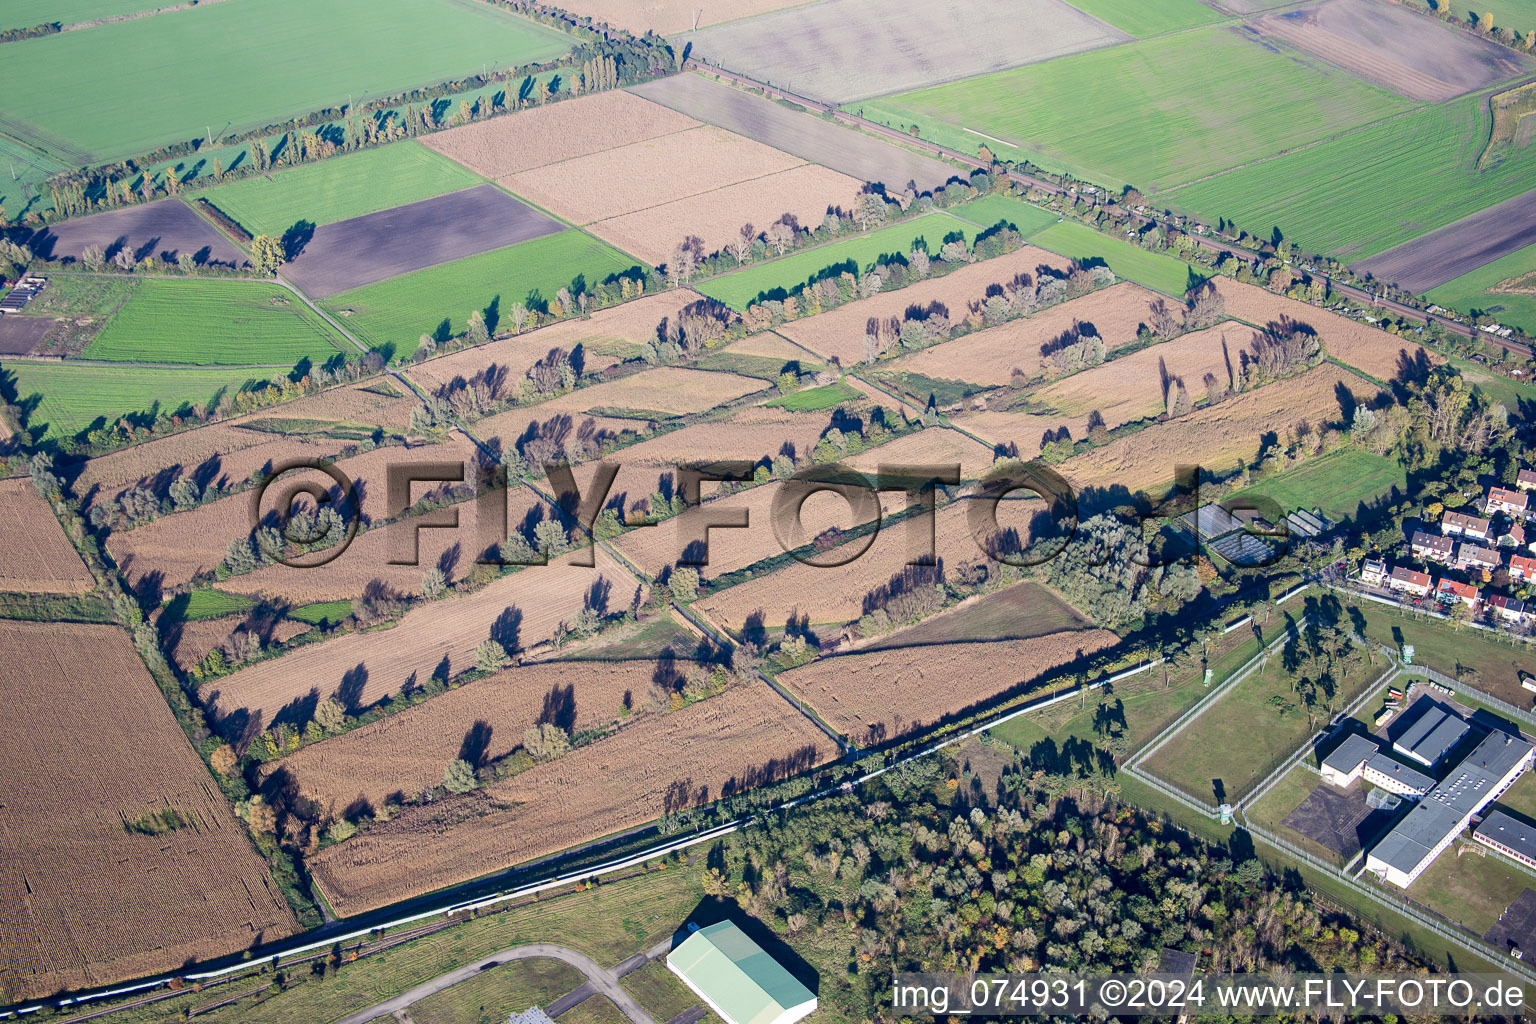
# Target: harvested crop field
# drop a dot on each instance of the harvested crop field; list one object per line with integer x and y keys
{"x": 404, "y": 753}
{"x": 607, "y": 337}
{"x": 1373, "y": 352}
{"x": 837, "y": 595}
{"x": 647, "y": 173}
{"x": 560, "y": 131}
{"x": 169, "y": 551}
{"x": 745, "y": 737}
{"x": 19, "y": 335}
{"x": 839, "y": 334}
{"x": 859, "y": 694}
{"x": 38, "y": 557}
{"x": 751, "y": 434}
{"x": 809, "y": 137}
{"x": 520, "y": 611}
{"x": 930, "y": 446}
{"x": 75, "y": 772}
{"x": 770, "y": 345}
{"x": 1216, "y": 437}
{"x": 993, "y": 356}
{"x": 1019, "y": 430}
{"x": 1447, "y": 253}
{"x": 190, "y": 642}
{"x": 664, "y": 390}
{"x": 1132, "y": 387}
{"x": 164, "y": 229}
{"x": 807, "y": 191}
{"x": 1407, "y": 52}
{"x": 543, "y": 435}
{"x": 352, "y": 253}
{"x": 669, "y": 17}
{"x": 842, "y": 50}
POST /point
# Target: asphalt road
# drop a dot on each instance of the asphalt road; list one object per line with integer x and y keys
{"x": 603, "y": 982}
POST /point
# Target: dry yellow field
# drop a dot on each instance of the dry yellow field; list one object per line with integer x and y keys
{"x": 839, "y": 334}
{"x": 751, "y": 434}
{"x": 992, "y": 356}
{"x": 1024, "y": 431}
{"x": 1367, "y": 349}
{"x": 769, "y": 345}
{"x": 929, "y": 446}
{"x": 652, "y": 172}
{"x": 560, "y": 131}
{"x": 38, "y": 557}
{"x": 606, "y": 337}
{"x": 83, "y": 900}
{"x": 668, "y": 390}
{"x": 557, "y": 432}
{"x": 407, "y": 752}
{"x": 807, "y": 191}
{"x": 189, "y": 642}
{"x": 745, "y": 737}
{"x": 1132, "y": 386}
{"x": 521, "y": 610}
{"x": 1217, "y": 437}
{"x": 880, "y": 695}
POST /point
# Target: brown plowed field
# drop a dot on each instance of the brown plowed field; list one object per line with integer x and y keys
{"x": 522, "y": 609}
{"x": 836, "y": 595}
{"x": 169, "y": 551}
{"x": 560, "y": 131}
{"x": 806, "y": 191}
{"x": 669, "y": 17}
{"x": 1131, "y": 387}
{"x": 1367, "y": 349}
{"x": 744, "y": 737}
{"x": 1216, "y": 437}
{"x": 84, "y": 901}
{"x": 887, "y": 693}
{"x": 604, "y": 338}
{"x": 37, "y": 556}
{"x": 990, "y": 356}
{"x": 839, "y": 333}
{"x": 670, "y": 390}
{"x": 230, "y": 452}
{"x": 648, "y": 173}
{"x": 406, "y": 753}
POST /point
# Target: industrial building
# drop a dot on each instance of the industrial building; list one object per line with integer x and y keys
{"x": 1509, "y": 836}
{"x": 1359, "y": 757}
{"x": 1440, "y": 816}
{"x": 738, "y": 979}
{"x": 1433, "y": 733}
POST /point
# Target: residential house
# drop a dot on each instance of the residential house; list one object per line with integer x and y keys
{"x": 1449, "y": 591}
{"x": 1511, "y": 503}
{"x": 1470, "y": 556}
{"x": 1514, "y": 537}
{"x": 1461, "y": 524}
{"x": 1431, "y": 547}
{"x": 1526, "y": 481}
{"x": 1522, "y": 567}
{"x": 1374, "y": 572}
{"x": 1409, "y": 582}
{"x": 1509, "y": 609}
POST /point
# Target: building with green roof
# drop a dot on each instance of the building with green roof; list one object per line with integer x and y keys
{"x": 737, "y": 979}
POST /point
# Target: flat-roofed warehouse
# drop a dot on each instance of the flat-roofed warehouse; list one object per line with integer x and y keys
{"x": 1438, "y": 818}
{"x": 738, "y": 979}
{"x": 1509, "y": 836}
{"x": 1433, "y": 733}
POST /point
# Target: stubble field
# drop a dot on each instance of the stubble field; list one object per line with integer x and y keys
{"x": 74, "y": 774}
{"x": 38, "y": 557}
{"x": 519, "y": 611}
{"x": 667, "y": 390}
{"x": 744, "y": 737}
{"x": 877, "y": 696}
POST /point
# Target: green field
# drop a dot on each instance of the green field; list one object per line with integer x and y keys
{"x": 490, "y": 996}
{"x": 338, "y": 189}
{"x": 1142, "y": 18}
{"x": 393, "y": 314}
{"x": 205, "y": 604}
{"x": 244, "y": 65}
{"x": 1440, "y": 646}
{"x": 1153, "y": 114}
{"x": 325, "y": 613}
{"x": 817, "y": 399}
{"x": 1025, "y": 218}
{"x": 26, "y": 13}
{"x": 24, "y": 173}
{"x": 1336, "y": 483}
{"x": 1370, "y": 189}
{"x": 1474, "y": 290}
{"x": 741, "y": 288}
{"x": 77, "y": 398}
{"x": 1130, "y": 263}
{"x": 1472, "y": 890}
{"x": 1519, "y": 15}
{"x": 215, "y": 323}
{"x": 81, "y": 295}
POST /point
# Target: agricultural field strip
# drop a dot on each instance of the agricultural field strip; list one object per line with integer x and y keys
{"x": 1444, "y": 254}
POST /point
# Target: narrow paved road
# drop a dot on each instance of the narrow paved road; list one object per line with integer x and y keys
{"x": 603, "y": 982}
